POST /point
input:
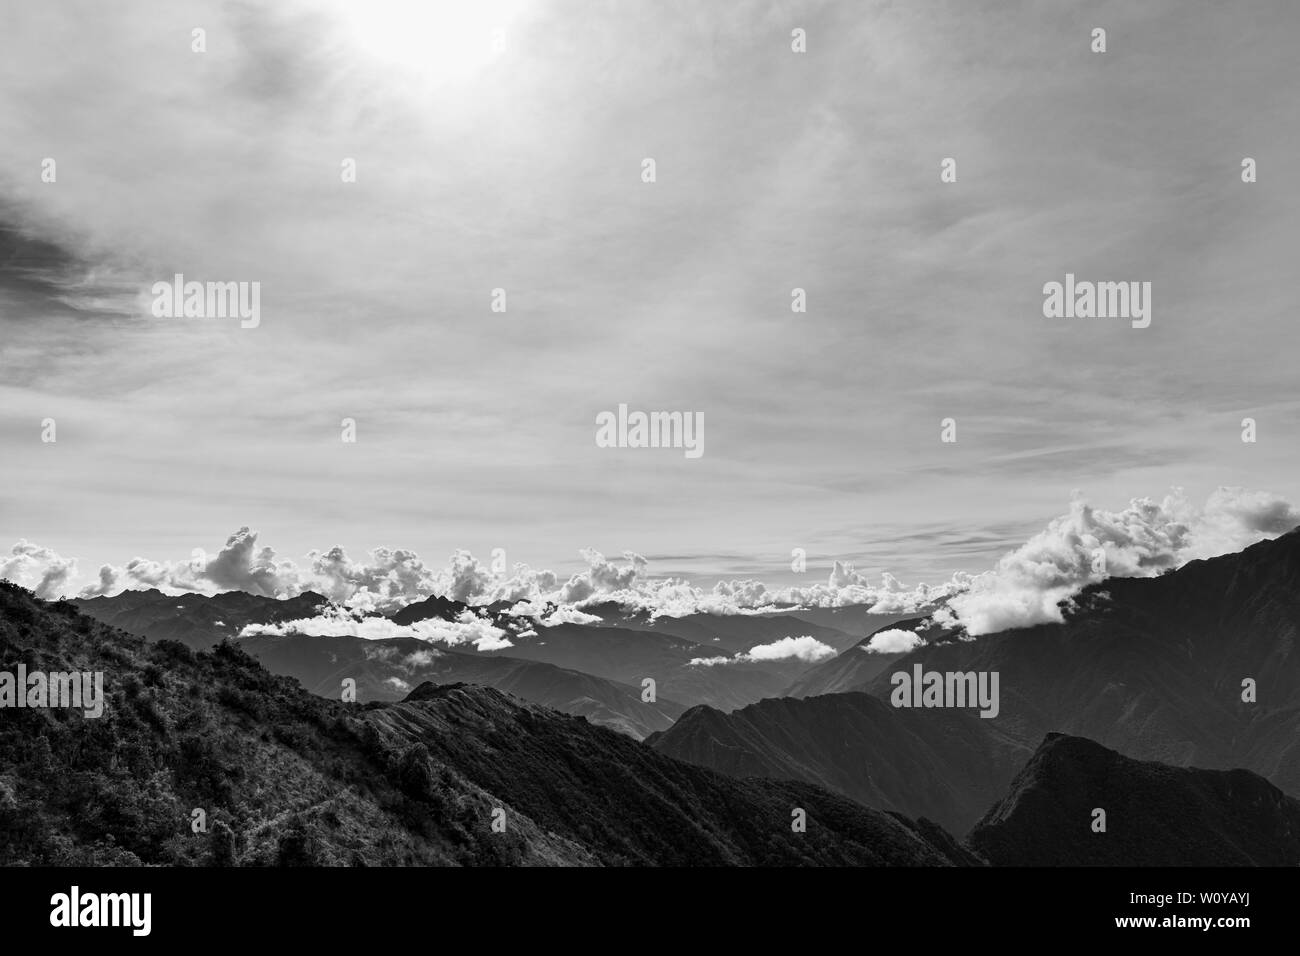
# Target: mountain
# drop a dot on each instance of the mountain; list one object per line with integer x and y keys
{"x": 633, "y": 805}
{"x": 726, "y": 633}
{"x": 1154, "y": 667}
{"x": 855, "y": 620}
{"x": 851, "y": 668}
{"x": 445, "y": 609}
{"x": 1149, "y": 666}
{"x": 1155, "y": 815}
{"x": 625, "y": 655}
{"x": 631, "y": 656}
{"x": 196, "y": 620}
{"x": 386, "y": 670}
{"x": 284, "y": 777}
{"x": 947, "y": 765}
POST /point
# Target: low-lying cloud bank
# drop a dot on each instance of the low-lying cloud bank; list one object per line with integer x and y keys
{"x": 1025, "y": 587}
{"x": 807, "y": 649}
{"x": 467, "y": 630}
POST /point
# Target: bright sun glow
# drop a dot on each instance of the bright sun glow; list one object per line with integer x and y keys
{"x": 444, "y": 40}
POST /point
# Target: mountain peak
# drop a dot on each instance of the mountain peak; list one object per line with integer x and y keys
{"x": 1077, "y": 803}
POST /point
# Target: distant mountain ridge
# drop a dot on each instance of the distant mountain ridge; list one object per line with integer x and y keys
{"x": 386, "y": 670}
{"x": 661, "y": 650}
{"x": 196, "y": 620}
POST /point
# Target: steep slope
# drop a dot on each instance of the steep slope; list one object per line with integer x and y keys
{"x": 1153, "y": 667}
{"x": 1155, "y": 815}
{"x": 943, "y": 764}
{"x": 632, "y": 805}
{"x": 386, "y": 670}
{"x": 285, "y": 777}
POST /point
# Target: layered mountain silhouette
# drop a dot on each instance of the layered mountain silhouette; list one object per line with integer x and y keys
{"x": 289, "y": 778}
{"x": 645, "y": 648}
{"x": 733, "y": 633}
{"x": 1112, "y": 709}
{"x": 1154, "y": 815}
{"x": 851, "y": 669}
{"x": 196, "y": 620}
{"x": 632, "y": 804}
{"x": 386, "y": 670}
{"x": 631, "y": 656}
{"x": 947, "y": 765}
{"x": 1150, "y": 666}
{"x": 1154, "y": 667}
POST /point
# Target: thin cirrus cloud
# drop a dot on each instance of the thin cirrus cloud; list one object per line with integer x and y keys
{"x": 521, "y": 170}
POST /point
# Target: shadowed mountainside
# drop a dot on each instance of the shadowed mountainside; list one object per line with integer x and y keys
{"x": 387, "y": 670}
{"x": 288, "y": 778}
{"x": 947, "y": 765}
{"x": 1156, "y": 815}
{"x": 1153, "y": 667}
{"x": 196, "y": 620}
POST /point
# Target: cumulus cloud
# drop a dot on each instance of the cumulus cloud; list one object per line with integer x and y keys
{"x": 712, "y": 661}
{"x": 807, "y": 649}
{"x": 893, "y": 641}
{"x": 1026, "y": 586}
{"x": 467, "y": 630}
{"x": 1088, "y": 545}
{"x": 41, "y": 569}
{"x": 548, "y": 614}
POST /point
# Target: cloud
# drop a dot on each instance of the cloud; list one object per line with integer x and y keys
{"x": 45, "y": 572}
{"x": 548, "y": 614}
{"x": 893, "y": 641}
{"x": 239, "y": 566}
{"x": 603, "y": 577}
{"x": 1088, "y": 545}
{"x": 807, "y": 649}
{"x": 468, "y": 630}
{"x": 421, "y": 658}
{"x": 1025, "y": 587}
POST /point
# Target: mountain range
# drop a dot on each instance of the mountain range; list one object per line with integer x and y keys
{"x": 624, "y": 647}
{"x": 1171, "y": 702}
{"x": 1152, "y": 667}
{"x": 285, "y": 777}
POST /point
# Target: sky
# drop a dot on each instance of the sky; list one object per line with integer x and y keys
{"x": 500, "y": 144}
